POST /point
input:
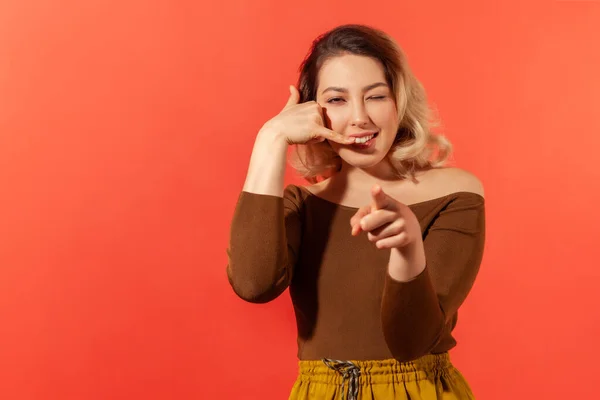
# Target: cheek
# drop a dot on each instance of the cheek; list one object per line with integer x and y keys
{"x": 385, "y": 116}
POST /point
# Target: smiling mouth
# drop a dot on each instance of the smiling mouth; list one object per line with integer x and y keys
{"x": 364, "y": 141}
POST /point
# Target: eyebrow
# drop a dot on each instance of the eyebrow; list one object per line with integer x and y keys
{"x": 344, "y": 90}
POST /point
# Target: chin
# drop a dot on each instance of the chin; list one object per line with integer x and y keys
{"x": 362, "y": 161}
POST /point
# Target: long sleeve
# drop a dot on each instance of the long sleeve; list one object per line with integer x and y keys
{"x": 264, "y": 239}
{"x": 416, "y": 313}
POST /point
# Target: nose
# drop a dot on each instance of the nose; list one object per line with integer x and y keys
{"x": 359, "y": 114}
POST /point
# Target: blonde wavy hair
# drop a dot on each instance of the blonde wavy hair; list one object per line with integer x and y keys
{"x": 415, "y": 147}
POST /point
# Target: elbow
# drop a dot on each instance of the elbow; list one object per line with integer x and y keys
{"x": 253, "y": 292}
{"x": 407, "y": 355}
{"x": 256, "y": 289}
{"x": 409, "y": 347}
{"x": 257, "y": 276}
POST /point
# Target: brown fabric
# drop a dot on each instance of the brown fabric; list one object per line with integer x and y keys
{"x": 347, "y": 306}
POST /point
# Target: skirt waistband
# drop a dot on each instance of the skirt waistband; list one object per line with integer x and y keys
{"x": 374, "y": 371}
{"x": 357, "y": 379}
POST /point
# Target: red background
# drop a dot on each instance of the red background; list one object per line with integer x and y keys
{"x": 125, "y": 133}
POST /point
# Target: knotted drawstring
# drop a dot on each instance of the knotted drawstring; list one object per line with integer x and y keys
{"x": 349, "y": 371}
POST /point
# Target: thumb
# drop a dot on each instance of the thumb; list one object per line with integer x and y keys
{"x": 380, "y": 199}
{"x": 294, "y": 97}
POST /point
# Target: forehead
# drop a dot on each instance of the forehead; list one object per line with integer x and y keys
{"x": 350, "y": 71}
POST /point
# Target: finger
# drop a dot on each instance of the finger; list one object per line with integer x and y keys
{"x": 380, "y": 199}
{"x": 334, "y": 136}
{"x": 362, "y": 212}
{"x": 377, "y": 218}
{"x": 315, "y": 141}
{"x": 356, "y": 218}
{"x": 391, "y": 242}
{"x": 294, "y": 97}
{"x": 392, "y": 229}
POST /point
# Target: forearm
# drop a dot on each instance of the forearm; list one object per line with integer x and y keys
{"x": 267, "y": 164}
{"x": 259, "y": 265}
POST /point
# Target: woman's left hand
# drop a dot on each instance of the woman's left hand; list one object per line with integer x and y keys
{"x": 392, "y": 225}
{"x": 388, "y": 223}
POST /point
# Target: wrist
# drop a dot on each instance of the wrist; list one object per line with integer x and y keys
{"x": 269, "y": 133}
{"x": 270, "y": 144}
{"x": 406, "y": 263}
{"x": 267, "y": 165}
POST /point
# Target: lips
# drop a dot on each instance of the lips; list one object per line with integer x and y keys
{"x": 365, "y": 141}
{"x": 363, "y": 137}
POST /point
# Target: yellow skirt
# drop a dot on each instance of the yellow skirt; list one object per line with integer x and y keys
{"x": 429, "y": 377}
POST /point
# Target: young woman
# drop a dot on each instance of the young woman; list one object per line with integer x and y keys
{"x": 382, "y": 247}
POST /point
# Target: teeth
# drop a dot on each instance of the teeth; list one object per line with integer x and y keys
{"x": 364, "y": 139}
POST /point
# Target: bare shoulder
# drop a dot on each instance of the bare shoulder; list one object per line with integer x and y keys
{"x": 316, "y": 188}
{"x": 450, "y": 180}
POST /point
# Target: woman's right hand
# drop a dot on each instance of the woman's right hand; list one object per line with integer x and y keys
{"x": 303, "y": 123}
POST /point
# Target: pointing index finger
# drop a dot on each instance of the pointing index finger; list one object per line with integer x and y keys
{"x": 380, "y": 199}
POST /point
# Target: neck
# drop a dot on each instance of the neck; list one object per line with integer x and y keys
{"x": 359, "y": 177}
{"x": 353, "y": 178}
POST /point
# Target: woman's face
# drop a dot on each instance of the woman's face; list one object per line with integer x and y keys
{"x": 358, "y": 102}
